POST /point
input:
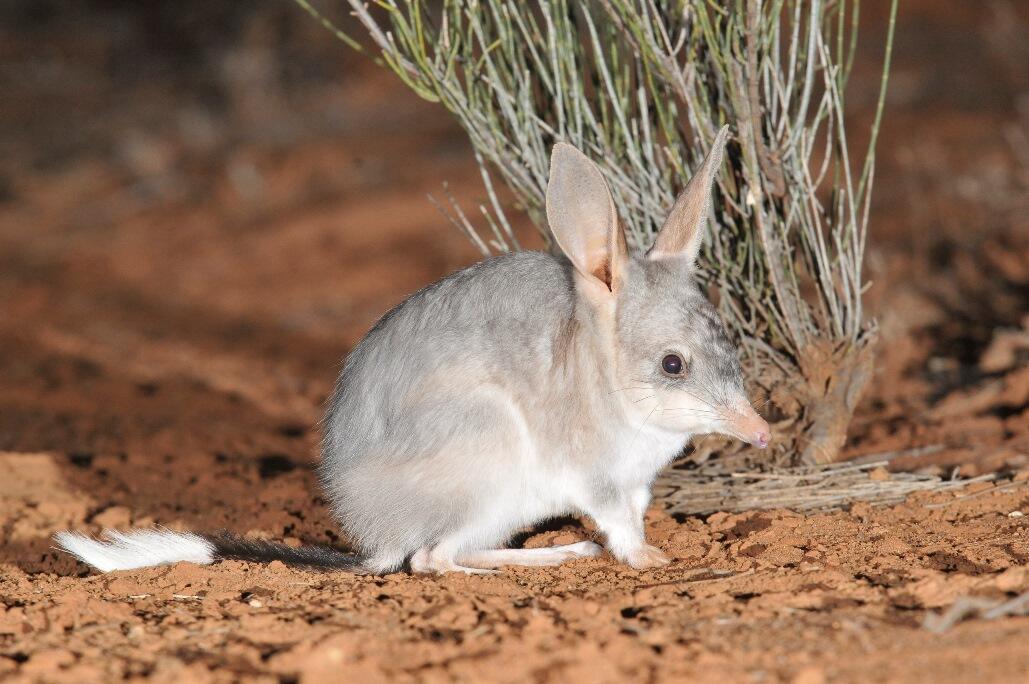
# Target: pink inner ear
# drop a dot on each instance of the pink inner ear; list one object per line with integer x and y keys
{"x": 602, "y": 272}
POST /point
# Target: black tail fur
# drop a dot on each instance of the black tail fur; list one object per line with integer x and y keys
{"x": 229, "y": 546}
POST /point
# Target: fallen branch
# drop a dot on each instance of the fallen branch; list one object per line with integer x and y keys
{"x": 804, "y": 488}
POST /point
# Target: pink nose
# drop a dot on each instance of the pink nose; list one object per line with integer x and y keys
{"x": 753, "y": 428}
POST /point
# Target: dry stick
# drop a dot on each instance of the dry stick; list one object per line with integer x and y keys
{"x": 887, "y": 456}
{"x": 803, "y": 489}
{"x": 974, "y": 495}
{"x": 769, "y": 166}
{"x": 723, "y": 575}
{"x": 970, "y": 607}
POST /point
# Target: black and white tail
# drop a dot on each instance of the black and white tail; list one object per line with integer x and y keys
{"x": 149, "y": 547}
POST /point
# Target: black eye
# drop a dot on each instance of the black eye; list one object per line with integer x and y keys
{"x": 672, "y": 364}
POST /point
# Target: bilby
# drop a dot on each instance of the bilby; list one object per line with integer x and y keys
{"x": 525, "y": 387}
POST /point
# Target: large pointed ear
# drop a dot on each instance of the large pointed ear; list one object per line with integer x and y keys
{"x": 683, "y": 230}
{"x": 583, "y": 219}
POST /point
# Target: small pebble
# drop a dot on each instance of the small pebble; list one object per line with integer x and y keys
{"x": 254, "y": 603}
{"x": 1016, "y": 514}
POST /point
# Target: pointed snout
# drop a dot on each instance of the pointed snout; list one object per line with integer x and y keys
{"x": 751, "y": 428}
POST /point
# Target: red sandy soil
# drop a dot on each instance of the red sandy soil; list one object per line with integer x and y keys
{"x": 189, "y": 246}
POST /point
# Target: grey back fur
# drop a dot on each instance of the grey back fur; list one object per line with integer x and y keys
{"x": 403, "y": 395}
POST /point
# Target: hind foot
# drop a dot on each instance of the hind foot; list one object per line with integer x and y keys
{"x": 550, "y": 555}
{"x": 431, "y": 562}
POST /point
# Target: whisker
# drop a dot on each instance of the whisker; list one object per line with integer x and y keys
{"x": 643, "y": 399}
{"x": 696, "y": 412}
{"x": 695, "y": 409}
{"x": 641, "y": 428}
{"x": 626, "y": 389}
{"x": 703, "y": 401}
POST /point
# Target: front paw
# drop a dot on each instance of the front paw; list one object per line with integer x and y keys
{"x": 646, "y": 557}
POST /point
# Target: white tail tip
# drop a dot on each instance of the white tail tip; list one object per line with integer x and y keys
{"x": 136, "y": 548}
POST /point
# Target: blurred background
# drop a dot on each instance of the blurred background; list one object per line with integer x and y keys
{"x": 204, "y": 205}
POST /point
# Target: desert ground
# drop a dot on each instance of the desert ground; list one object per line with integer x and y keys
{"x": 202, "y": 209}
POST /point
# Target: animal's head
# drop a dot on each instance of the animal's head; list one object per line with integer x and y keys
{"x": 671, "y": 351}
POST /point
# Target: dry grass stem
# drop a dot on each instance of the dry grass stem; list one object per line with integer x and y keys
{"x": 804, "y": 488}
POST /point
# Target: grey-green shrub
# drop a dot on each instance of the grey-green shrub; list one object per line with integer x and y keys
{"x": 643, "y": 87}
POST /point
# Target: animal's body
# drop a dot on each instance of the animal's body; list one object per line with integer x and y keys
{"x": 525, "y": 387}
